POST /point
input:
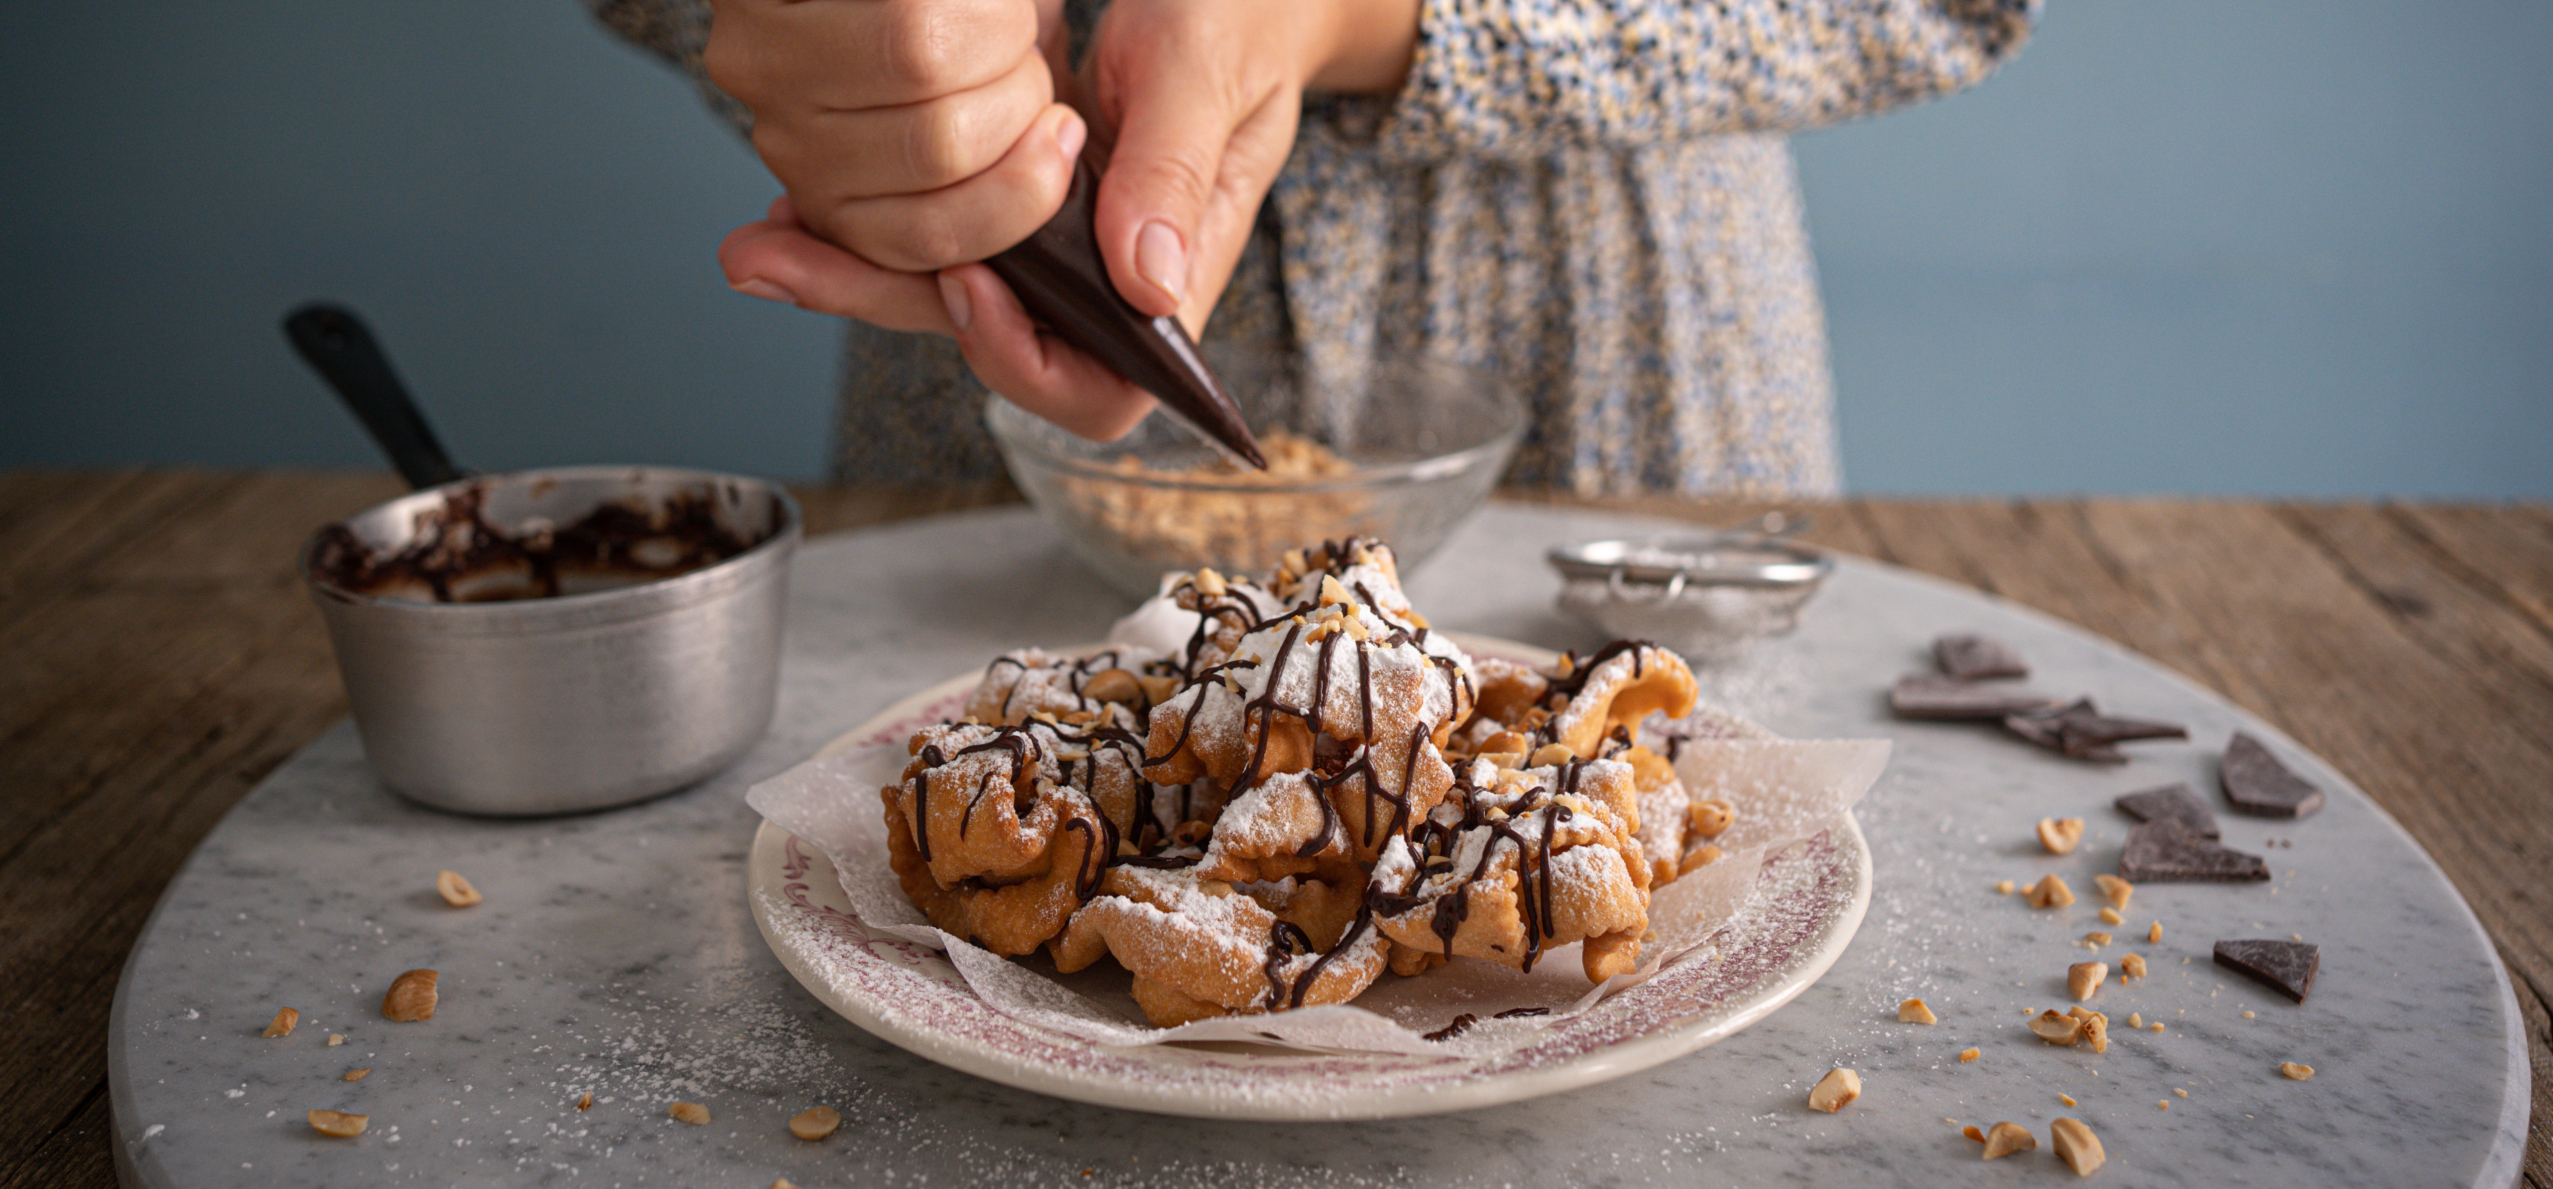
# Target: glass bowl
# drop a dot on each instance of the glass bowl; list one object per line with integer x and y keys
{"x": 1404, "y": 451}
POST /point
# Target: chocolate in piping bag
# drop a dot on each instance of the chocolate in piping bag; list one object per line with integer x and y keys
{"x": 1062, "y": 281}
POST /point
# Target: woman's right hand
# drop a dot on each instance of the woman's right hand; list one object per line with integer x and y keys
{"x": 916, "y": 134}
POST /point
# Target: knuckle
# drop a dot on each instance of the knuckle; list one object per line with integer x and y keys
{"x": 936, "y": 146}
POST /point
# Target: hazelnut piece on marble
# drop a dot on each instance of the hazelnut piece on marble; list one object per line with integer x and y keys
{"x": 1836, "y": 1090}
{"x": 2056, "y": 1027}
{"x": 2076, "y": 1145}
{"x": 338, "y": 1123}
{"x": 2004, "y": 1139}
{"x": 411, "y": 997}
{"x": 2084, "y": 978}
{"x": 2060, "y": 834}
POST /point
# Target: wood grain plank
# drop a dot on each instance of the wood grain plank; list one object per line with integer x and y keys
{"x": 2505, "y": 552}
{"x": 75, "y": 1154}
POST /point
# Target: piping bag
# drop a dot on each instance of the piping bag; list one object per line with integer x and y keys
{"x": 1062, "y": 281}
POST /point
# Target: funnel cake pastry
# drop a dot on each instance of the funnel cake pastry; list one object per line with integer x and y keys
{"x": 1317, "y": 787}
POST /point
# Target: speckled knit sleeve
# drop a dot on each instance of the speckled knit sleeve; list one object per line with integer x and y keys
{"x": 1518, "y": 78}
{"x": 677, "y": 31}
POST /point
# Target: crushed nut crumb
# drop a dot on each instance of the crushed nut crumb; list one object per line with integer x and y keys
{"x": 282, "y": 1024}
{"x": 2096, "y": 1032}
{"x": 2060, "y": 834}
{"x": 1913, "y": 1011}
{"x": 1836, "y": 1090}
{"x": 2162, "y": 1104}
{"x": 2067, "y": 1099}
{"x": 815, "y": 1123}
{"x": 2084, "y": 978}
{"x": 2097, "y": 937}
{"x": 690, "y": 1112}
{"x": 2056, "y": 1027}
{"x": 585, "y": 1101}
{"x": 357, "y": 1075}
{"x": 2247, "y": 1015}
{"x": 455, "y": 890}
{"x": 2110, "y": 916}
{"x": 411, "y": 997}
{"x": 338, "y": 1123}
{"x": 335, "y": 1039}
{"x": 2050, "y": 892}
{"x": 2115, "y": 889}
{"x": 2003, "y": 887}
{"x": 2295, "y": 1072}
{"x": 2154, "y": 933}
{"x": 2004, "y": 1139}
{"x": 2180, "y": 1093}
{"x": 1971, "y": 1132}
{"x": 1968, "y": 1055}
{"x": 2136, "y": 1019}
{"x": 2132, "y": 966}
{"x": 2156, "y": 1026}
{"x": 2076, "y": 1145}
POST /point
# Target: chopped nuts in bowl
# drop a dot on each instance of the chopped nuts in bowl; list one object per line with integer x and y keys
{"x": 1405, "y": 452}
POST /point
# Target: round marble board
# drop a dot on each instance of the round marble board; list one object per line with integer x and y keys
{"x": 915, "y": 998}
{"x": 615, "y": 955}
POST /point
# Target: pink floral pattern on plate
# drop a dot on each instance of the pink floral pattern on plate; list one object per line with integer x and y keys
{"x": 1814, "y": 896}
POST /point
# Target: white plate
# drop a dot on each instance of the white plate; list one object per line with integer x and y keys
{"x": 912, "y": 997}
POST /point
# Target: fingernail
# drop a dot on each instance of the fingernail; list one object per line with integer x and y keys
{"x": 757, "y": 287}
{"x": 1162, "y": 259}
{"x": 1069, "y": 138}
{"x": 953, "y": 295}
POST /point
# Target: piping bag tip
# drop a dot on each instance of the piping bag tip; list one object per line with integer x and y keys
{"x": 1062, "y": 281}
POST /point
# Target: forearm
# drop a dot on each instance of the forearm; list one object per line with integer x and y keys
{"x": 1370, "y": 45}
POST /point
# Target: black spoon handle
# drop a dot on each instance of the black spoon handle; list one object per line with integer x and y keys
{"x": 341, "y": 349}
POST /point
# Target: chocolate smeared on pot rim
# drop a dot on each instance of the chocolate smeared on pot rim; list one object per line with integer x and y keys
{"x": 458, "y": 555}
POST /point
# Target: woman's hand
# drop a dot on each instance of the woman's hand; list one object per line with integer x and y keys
{"x": 916, "y": 134}
{"x": 1203, "y": 96}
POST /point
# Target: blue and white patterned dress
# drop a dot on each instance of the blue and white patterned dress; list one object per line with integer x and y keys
{"x": 1594, "y": 198}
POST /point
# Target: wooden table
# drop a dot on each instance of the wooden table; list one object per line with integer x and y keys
{"x": 158, "y": 657}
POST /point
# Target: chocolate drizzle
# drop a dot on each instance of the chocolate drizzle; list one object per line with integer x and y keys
{"x": 1435, "y": 842}
{"x": 1461, "y": 1024}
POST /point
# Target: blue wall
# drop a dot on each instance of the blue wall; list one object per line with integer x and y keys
{"x": 2273, "y": 247}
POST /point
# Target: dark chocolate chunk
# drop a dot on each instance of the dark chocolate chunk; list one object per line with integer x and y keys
{"x": 2171, "y": 803}
{"x": 2288, "y": 966}
{"x": 1923, "y": 695}
{"x": 1975, "y": 658}
{"x": 2256, "y": 783}
{"x": 2169, "y": 852}
{"x": 2083, "y": 732}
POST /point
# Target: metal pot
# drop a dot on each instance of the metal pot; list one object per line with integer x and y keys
{"x": 651, "y": 674}
{"x": 575, "y": 702}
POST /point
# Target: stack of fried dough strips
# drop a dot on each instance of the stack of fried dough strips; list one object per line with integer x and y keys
{"x": 1315, "y": 788}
